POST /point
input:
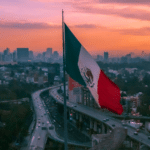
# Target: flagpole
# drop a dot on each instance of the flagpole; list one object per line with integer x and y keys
{"x": 64, "y": 69}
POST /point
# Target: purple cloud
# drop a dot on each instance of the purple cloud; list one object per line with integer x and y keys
{"x": 127, "y": 12}
{"x": 85, "y": 26}
{"x": 28, "y": 25}
{"x": 145, "y": 31}
{"x": 126, "y": 1}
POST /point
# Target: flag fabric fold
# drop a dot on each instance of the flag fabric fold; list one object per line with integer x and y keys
{"x": 82, "y": 68}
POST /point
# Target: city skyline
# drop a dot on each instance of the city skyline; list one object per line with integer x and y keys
{"x": 51, "y": 51}
{"x": 119, "y": 27}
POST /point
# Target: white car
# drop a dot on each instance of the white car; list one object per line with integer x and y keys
{"x": 135, "y": 133}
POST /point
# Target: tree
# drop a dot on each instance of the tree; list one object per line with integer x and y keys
{"x": 12, "y": 74}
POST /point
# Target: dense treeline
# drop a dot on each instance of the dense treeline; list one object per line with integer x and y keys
{"x": 17, "y": 90}
{"x": 132, "y": 86}
{"x": 144, "y": 65}
{"x": 15, "y": 118}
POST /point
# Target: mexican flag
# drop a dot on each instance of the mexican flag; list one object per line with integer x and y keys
{"x": 82, "y": 68}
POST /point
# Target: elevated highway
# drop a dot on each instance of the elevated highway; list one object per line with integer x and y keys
{"x": 142, "y": 138}
{"x": 144, "y": 118}
{"x": 39, "y": 136}
{"x": 40, "y": 110}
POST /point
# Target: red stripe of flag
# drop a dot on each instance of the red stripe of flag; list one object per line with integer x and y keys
{"x": 109, "y": 94}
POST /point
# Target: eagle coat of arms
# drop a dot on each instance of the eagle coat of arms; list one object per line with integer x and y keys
{"x": 87, "y": 76}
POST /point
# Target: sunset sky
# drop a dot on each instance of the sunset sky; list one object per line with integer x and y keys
{"x": 116, "y": 26}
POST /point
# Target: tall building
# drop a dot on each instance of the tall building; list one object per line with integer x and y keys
{"x": 48, "y": 52}
{"x": 128, "y": 56}
{"x": 6, "y": 51}
{"x": 105, "y": 56}
{"x": 7, "y": 56}
{"x": 124, "y": 59}
{"x": 43, "y": 56}
{"x": 99, "y": 58}
{"x": 22, "y": 54}
{"x": 31, "y": 56}
{"x": 55, "y": 55}
{"x": 0, "y": 56}
{"x": 14, "y": 56}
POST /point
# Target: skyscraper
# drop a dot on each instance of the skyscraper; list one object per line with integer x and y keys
{"x": 48, "y": 52}
{"x": 31, "y": 56}
{"x": 22, "y": 54}
{"x": 105, "y": 56}
{"x": 14, "y": 56}
{"x": 0, "y": 56}
{"x": 6, "y": 51}
{"x": 99, "y": 58}
{"x": 55, "y": 55}
{"x": 7, "y": 56}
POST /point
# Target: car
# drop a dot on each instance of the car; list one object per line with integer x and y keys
{"x": 39, "y": 137}
{"x": 135, "y": 133}
{"x": 51, "y": 127}
{"x": 123, "y": 123}
{"x": 148, "y": 137}
{"x": 113, "y": 125}
{"x": 137, "y": 130}
{"x": 104, "y": 120}
{"x": 107, "y": 119}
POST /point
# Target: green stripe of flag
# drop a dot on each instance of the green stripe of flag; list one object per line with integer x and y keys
{"x": 72, "y": 50}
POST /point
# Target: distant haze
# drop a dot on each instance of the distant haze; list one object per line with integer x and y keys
{"x": 117, "y": 26}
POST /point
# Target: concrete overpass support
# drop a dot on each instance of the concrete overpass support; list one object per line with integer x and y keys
{"x": 77, "y": 116}
{"x": 107, "y": 129}
{"x": 139, "y": 145}
{"x": 80, "y": 122}
{"x": 95, "y": 126}
{"x": 91, "y": 126}
{"x": 99, "y": 130}
{"x": 147, "y": 126}
{"x": 103, "y": 128}
{"x": 131, "y": 144}
{"x": 77, "y": 120}
{"x": 80, "y": 118}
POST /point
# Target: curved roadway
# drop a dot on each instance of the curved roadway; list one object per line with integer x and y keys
{"x": 39, "y": 136}
{"x": 93, "y": 113}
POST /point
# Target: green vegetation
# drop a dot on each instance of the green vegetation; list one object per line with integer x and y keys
{"x": 144, "y": 65}
{"x": 17, "y": 119}
{"x": 17, "y": 90}
{"x": 130, "y": 82}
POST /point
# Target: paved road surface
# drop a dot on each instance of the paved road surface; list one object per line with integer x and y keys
{"x": 93, "y": 113}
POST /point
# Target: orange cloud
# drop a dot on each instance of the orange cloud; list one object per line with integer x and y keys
{"x": 96, "y": 39}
